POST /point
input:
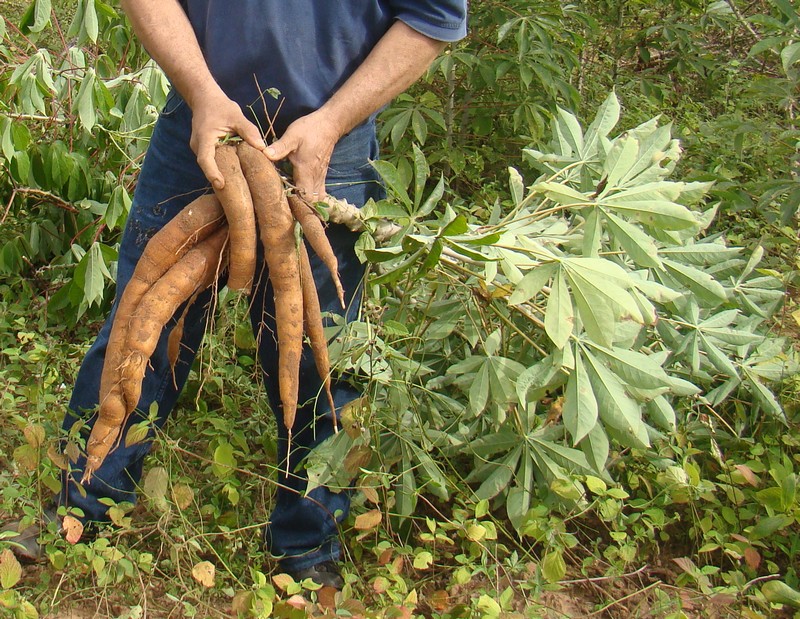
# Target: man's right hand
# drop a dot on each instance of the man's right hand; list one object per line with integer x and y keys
{"x": 214, "y": 119}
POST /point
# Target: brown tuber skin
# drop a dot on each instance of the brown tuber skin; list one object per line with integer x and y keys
{"x": 185, "y": 258}
{"x": 195, "y": 222}
{"x": 238, "y": 207}
{"x": 276, "y": 225}
{"x": 314, "y": 233}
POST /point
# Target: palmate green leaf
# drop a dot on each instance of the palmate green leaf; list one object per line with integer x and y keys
{"x": 520, "y": 496}
{"x": 617, "y": 409}
{"x": 580, "y": 405}
{"x": 559, "y": 318}
{"x": 604, "y": 121}
{"x": 595, "y": 447}
{"x": 532, "y": 283}
{"x": 502, "y": 472}
{"x": 640, "y": 246}
{"x": 661, "y": 412}
{"x": 562, "y": 194}
{"x": 621, "y": 158}
{"x": 700, "y": 283}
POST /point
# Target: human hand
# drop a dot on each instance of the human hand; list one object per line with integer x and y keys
{"x": 212, "y": 120}
{"x": 308, "y": 144}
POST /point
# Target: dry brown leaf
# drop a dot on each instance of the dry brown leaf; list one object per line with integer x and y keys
{"x": 204, "y": 573}
{"x": 752, "y": 557}
{"x": 282, "y": 581}
{"x": 368, "y": 520}
{"x": 73, "y": 529}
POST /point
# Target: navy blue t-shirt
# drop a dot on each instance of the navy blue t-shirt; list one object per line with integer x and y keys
{"x": 306, "y": 49}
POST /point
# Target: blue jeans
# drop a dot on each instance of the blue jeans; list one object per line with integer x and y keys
{"x": 302, "y": 530}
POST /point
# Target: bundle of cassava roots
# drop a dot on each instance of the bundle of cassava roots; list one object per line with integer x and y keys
{"x": 184, "y": 258}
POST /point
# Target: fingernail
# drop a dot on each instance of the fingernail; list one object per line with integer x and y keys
{"x": 270, "y": 151}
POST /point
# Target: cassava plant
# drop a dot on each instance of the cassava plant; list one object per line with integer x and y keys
{"x": 590, "y": 315}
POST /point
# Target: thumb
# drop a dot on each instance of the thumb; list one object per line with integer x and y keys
{"x": 282, "y": 148}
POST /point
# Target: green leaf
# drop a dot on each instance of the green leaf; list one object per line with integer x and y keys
{"x": 554, "y": 568}
{"x": 559, "y": 318}
{"x": 596, "y": 448}
{"x": 562, "y": 194}
{"x": 42, "y": 10}
{"x": 421, "y": 173}
{"x": 635, "y": 368}
{"x": 604, "y": 121}
{"x": 532, "y": 283}
{"x": 479, "y": 390}
{"x": 640, "y": 246}
{"x": 660, "y": 411}
{"x": 616, "y": 408}
{"x": 395, "y": 182}
{"x": 580, "y": 405}
{"x": 516, "y": 185}
{"x": 501, "y": 475}
{"x": 698, "y": 282}
{"x": 520, "y": 495}
{"x": 620, "y": 160}
{"x": 224, "y": 460}
{"x": 433, "y": 199}
{"x": 85, "y": 102}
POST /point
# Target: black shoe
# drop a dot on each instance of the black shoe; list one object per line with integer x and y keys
{"x": 25, "y": 543}
{"x": 325, "y": 574}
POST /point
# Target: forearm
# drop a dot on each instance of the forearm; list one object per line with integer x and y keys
{"x": 164, "y": 29}
{"x": 397, "y": 61}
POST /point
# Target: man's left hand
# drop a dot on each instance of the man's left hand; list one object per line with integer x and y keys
{"x": 308, "y": 144}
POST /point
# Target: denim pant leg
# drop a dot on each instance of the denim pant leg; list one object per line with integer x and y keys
{"x": 303, "y": 530}
{"x": 169, "y": 179}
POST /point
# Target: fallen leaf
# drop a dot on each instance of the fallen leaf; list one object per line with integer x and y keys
{"x": 73, "y": 529}
{"x": 752, "y": 557}
{"x": 282, "y": 581}
{"x": 371, "y": 494}
{"x": 10, "y": 569}
{"x": 440, "y": 600}
{"x": 183, "y": 495}
{"x": 326, "y": 597}
{"x": 204, "y": 573}
{"x": 368, "y": 520}
{"x": 748, "y": 474}
{"x": 297, "y": 601}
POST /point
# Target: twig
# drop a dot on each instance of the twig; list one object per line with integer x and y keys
{"x": 623, "y": 598}
{"x": 604, "y": 578}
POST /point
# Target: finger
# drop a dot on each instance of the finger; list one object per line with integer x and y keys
{"x": 208, "y": 164}
{"x": 280, "y": 149}
{"x": 251, "y": 134}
